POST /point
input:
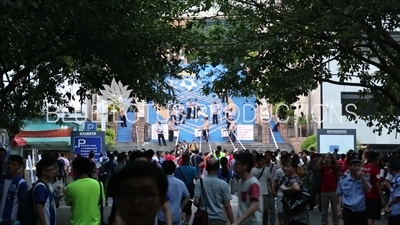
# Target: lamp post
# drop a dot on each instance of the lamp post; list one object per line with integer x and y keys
{"x": 104, "y": 114}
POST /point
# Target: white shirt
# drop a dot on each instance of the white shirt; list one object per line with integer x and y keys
{"x": 231, "y": 114}
{"x": 160, "y": 129}
{"x": 215, "y": 109}
{"x": 181, "y": 108}
{"x": 195, "y": 104}
{"x": 189, "y": 104}
{"x": 266, "y": 175}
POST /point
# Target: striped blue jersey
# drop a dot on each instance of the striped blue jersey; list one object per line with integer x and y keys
{"x": 44, "y": 194}
{"x": 12, "y": 191}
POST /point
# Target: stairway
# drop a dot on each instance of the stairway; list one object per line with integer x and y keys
{"x": 124, "y": 134}
{"x": 276, "y": 134}
{"x": 125, "y": 147}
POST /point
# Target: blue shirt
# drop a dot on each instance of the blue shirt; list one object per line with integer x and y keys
{"x": 395, "y": 193}
{"x": 352, "y": 192}
{"x": 43, "y": 195}
{"x": 189, "y": 174}
{"x": 176, "y": 192}
{"x": 226, "y": 179}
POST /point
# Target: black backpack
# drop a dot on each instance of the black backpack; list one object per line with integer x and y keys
{"x": 27, "y": 213}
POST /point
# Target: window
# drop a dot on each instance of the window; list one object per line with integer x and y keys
{"x": 352, "y": 102}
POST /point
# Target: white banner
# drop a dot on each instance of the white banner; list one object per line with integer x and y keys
{"x": 245, "y": 132}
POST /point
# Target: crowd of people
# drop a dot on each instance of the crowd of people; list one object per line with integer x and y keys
{"x": 160, "y": 188}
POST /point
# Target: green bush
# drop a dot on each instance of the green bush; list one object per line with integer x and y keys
{"x": 312, "y": 146}
{"x": 310, "y": 140}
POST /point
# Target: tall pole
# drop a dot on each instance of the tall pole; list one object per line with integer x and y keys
{"x": 104, "y": 113}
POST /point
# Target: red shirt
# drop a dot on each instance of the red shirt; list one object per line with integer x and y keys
{"x": 342, "y": 165}
{"x": 169, "y": 158}
{"x": 329, "y": 179}
{"x": 372, "y": 172}
{"x": 346, "y": 166}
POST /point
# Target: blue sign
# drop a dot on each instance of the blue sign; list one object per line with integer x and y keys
{"x": 90, "y": 126}
{"x": 333, "y": 147}
{"x": 83, "y": 142}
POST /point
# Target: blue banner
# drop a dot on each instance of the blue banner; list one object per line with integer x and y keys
{"x": 83, "y": 142}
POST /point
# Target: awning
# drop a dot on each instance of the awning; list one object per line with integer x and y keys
{"x": 19, "y": 142}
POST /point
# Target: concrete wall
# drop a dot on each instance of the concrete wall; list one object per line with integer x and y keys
{"x": 332, "y": 113}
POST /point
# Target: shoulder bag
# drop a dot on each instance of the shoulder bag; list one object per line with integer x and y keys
{"x": 297, "y": 201}
{"x": 201, "y": 216}
{"x": 262, "y": 171}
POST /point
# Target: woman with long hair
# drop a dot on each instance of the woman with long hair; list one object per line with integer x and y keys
{"x": 225, "y": 173}
{"x": 291, "y": 187}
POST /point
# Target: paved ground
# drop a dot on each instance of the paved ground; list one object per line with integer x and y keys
{"x": 315, "y": 216}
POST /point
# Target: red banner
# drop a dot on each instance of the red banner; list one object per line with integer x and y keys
{"x": 45, "y": 133}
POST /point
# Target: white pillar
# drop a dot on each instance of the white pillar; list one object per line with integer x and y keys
{"x": 104, "y": 114}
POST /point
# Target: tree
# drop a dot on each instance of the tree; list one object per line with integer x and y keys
{"x": 45, "y": 44}
{"x": 110, "y": 139}
{"x": 281, "y": 51}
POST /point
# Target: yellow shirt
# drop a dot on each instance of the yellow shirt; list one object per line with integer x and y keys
{"x": 83, "y": 195}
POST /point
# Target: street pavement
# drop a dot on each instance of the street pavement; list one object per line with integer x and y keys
{"x": 315, "y": 216}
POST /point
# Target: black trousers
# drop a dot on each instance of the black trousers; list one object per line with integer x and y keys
{"x": 111, "y": 218}
{"x": 189, "y": 113}
{"x": 215, "y": 119}
{"x": 316, "y": 190}
{"x": 232, "y": 135}
{"x": 195, "y": 113}
{"x": 170, "y": 135}
{"x": 161, "y": 137}
{"x": 181, "y": 119}
{"x": 354, "y": 218}
{"x": 205, "y": 134}
{"x": 123, "y": 118}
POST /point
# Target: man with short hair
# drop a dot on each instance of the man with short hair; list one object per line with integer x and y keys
{"x": 250, "y": 199}
{"x": 43, "y": 193}
{"x": 216, "y": 198}
{"x": 84, "y": 195}
{"x": 178, "y": 195}
{"x": 13, "y": 189}
{"x": 141, "y": 192}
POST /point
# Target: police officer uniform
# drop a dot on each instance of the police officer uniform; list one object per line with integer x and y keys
{"x": 353, "y": 198}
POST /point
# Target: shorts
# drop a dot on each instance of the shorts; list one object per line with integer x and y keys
{"x": 279, "y": 205}
{"x": 374, "y": 207}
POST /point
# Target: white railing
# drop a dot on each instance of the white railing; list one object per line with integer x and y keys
{"x": 230, "y": 139}
{"x": 200, "y": 143}
{"x": 239, "y": 141}
{"x": 137, "y": 138}
{"x": 273, "y": 137}
{"x": 177, "y": 137}
{"x": 209, "y": 142}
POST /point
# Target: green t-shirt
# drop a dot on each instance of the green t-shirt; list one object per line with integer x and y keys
{"x": 83, "y": 195}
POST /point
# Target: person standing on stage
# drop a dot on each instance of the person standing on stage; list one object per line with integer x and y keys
{"x": 196, "y": 108}
{"x": 226, "y": 112}
{"x": 160, "y": 133}
{"x": 181, "y": 113}
{"x": 215, "y": 111}
{"x": 189, "y": 107}
{"x": 171, "y": 128}
{"x": 232, "y": 129}
{"x": 206, "y": 128}
{"x": 231, "y": 116}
